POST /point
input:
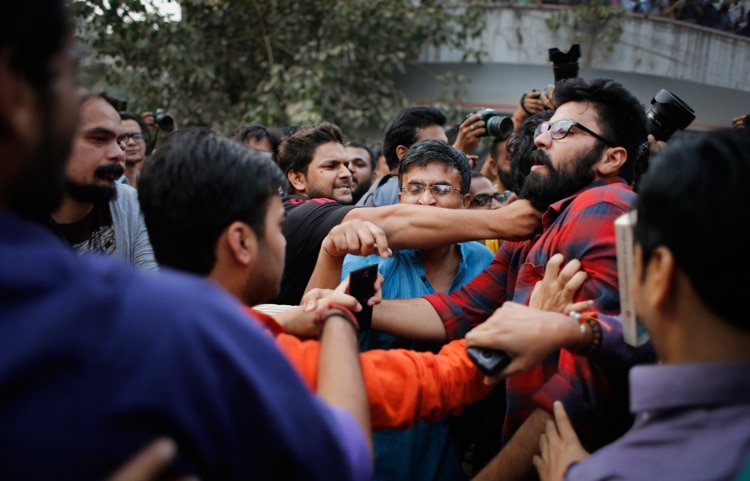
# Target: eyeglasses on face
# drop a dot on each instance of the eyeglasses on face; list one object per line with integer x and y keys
{"x": 435, "y": 189}
{"x": 485, "y": 200}
{"x": 125, "y": 138}
{"x": 559, "y": 129}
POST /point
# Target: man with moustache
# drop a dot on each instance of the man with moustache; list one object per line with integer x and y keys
{"x": 580, "y": 178}
{"x": 99, "y": 214}
{"x": 316, "y": 164}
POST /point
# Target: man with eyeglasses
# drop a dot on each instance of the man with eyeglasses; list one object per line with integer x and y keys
{"x": 431, "y": 173}
{"x": 97, "y": 213}
{"x": 316, "y": 164}
{"x": 135, "y": 142}
{"x": 581, "y": 176}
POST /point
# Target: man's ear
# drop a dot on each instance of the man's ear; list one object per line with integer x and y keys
{"x": 241, "y": 243}
{"x": 613, "y": 158}
{"x": 297, "y": 180}
{"x": 18, "y": 102}
{"x": 466, "y": 201}
{"x": 661, "y": 287}
{"x": 400, "y": 151}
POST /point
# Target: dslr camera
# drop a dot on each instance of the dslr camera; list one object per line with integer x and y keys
{"x": 163, "y": 120}
{"x": 496, "y": 124}
{"x": 668, "y": 113}
{"x": 565, "y": 64}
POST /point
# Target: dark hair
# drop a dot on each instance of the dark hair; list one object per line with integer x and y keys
{"x": 360, "y": 145}
{"x": 694, "y": 193}
{"x": 402, "y": 129}
{"x": 194, "y": 186}
{"x": 296, "y": 152}
{"x": 621, "y": 117}
{"x": 521, "y": 144}
{"x": 377, "y": 151}
{"x": 430, "y": 150}
{"x": 35, "y": 32}
{"x": 144, "y": 129}
{"x": 257, "y": 132}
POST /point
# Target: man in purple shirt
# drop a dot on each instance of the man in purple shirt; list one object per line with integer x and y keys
{"x": 693, "y": 408}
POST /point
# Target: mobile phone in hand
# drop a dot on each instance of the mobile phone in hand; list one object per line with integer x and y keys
{"x": 362, "y": 288}
{"x": 489, "y": 361}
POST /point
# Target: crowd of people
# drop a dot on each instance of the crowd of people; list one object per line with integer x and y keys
{"x": 181, "y": 310}
{"x": 725, "y": 15}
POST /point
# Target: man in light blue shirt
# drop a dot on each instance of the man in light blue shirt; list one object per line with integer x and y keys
{"x": 431, "y": 173}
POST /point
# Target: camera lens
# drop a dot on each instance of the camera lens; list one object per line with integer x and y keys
{"x": 164, "y": 120}
{"x": 667, "y": 114}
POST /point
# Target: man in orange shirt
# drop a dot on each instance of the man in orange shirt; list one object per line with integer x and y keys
{"x": 204, "y": 220}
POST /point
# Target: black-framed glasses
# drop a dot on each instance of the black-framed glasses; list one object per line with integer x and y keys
{"x": 559, "y": 129}
{"x": 485, "y": 200}
{"x": 436, "y": 189}
{"x": 125, "y": 138}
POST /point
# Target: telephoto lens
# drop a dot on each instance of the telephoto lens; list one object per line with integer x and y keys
{"x": 496, "y": 125}
{"x": 668, "y": 114}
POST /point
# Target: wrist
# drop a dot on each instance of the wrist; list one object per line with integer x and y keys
{"x": 590, "y": 337}
{"x": 323, "y": 314}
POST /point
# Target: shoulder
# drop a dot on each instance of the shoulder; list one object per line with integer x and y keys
{"x": 126, "y": 200}
{"x": 476, "y": 250}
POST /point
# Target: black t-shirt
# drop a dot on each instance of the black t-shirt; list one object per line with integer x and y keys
{"x": 93, "y": 233}
{"x": 307, "y": 223}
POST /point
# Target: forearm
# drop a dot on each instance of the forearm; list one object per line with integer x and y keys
{"x": 513, "y": 462}
{"x": 327, "y": 272}
{"x": 340, "y": 380}
{"x": 424, "y": 227}
{"x": 409, "y": 318}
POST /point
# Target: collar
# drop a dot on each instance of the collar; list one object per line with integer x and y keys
{"x": 556, "y": 208}
{"x": 669, "y": 386}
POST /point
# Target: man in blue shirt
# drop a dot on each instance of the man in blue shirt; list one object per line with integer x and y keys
{"x": 435, "y": 174}
{"x": 98, "y": 358}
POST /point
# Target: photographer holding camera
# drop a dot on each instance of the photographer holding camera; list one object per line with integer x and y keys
{"x": 160, "y": 123}
{"x": 741, "y": 122}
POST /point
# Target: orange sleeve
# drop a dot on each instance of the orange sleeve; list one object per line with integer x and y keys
{"x": 406, "y": 386}
{"x": 403, "y": 386}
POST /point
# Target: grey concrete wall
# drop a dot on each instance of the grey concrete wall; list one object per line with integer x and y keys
{"x": 708, "y": 69}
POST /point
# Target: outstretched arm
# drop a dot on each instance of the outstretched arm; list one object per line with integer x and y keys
{"x": 425, "y": 227}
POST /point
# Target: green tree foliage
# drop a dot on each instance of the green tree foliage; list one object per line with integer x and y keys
{"x": 277, "y": 62}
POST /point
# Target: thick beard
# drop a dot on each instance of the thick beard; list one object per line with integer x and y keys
{"x": 543, "y": 190}
{"x": 133, "y": 163}
{"x": 360, "y": 191}
{"x": 506, "y": 178}
{"x": 96, "y": 192}
{"x": 40, "y": 190}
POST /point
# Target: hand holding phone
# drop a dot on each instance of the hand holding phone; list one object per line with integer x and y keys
{"x": 362, "y": 288}
{"x": 489, "y": 361}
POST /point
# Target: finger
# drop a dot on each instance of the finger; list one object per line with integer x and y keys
{"x": 552, "y": 270}
{"x": 567, "y": 433}
{"x": 148, "y": 463}
{"x": 381, "y": 240}
{"x": 543, "y": 446}
{"x": 579, "y": 306}
{"x": 569, "y": 270}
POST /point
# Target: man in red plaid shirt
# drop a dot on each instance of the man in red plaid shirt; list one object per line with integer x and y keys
{"x": 581, "y": 178}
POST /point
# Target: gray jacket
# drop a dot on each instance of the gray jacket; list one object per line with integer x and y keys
{"x": 131, "y": 238}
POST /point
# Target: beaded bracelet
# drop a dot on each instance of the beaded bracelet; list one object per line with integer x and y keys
{"x": 596, "y": 332}
{"x": 330, "y": 310}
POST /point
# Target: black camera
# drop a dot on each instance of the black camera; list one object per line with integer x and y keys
{"x": 667, "y": 114}
{"x": 496, "y": 124}
{"x": 163, "y": 120}
{"x": 565, "y": 65}
{"x": 746, "y": 122}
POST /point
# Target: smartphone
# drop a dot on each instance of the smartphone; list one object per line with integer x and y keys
{"x": 489, "y": 361}
{"x": 362, "y": 288}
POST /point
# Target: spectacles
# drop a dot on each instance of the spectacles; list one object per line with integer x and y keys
{"x": 435, "y": 189}
{"x": 485, "y": 200}
{"x": 124, "y": 138}
{"x": 561, "y": 128}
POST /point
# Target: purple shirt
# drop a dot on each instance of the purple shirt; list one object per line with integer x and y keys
{"x": 692, "y": 423}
